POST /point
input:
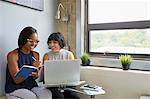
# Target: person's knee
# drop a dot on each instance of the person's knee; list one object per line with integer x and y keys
{"x": 22, "y": 93}
{"x": 42, "y": 92}
{"x": 57, "y": 94}
{"x": 29, "y": 95}
{"x": 45, "y": 94}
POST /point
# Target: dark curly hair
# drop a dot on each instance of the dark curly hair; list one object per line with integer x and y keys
{"x": 57, "y": 36}
{"x": 25, "y": 34}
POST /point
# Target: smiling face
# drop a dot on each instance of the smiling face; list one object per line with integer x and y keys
{"x": 56, "y": 42}
{"x": 32, "y": 42}
{"x": 54, "y": 45}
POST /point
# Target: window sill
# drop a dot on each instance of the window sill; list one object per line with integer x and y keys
{"x": 116, "y": 70}
{"x": 115, "y": 63}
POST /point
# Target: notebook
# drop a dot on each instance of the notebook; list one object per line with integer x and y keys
{"x": 25, "y": 71}
{"x": 62, "y": 73}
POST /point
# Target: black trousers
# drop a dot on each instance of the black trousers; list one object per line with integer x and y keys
{"x": 57, "y": 94}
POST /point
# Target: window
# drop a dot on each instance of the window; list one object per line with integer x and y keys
{"x": 118, "y": 27}
{"x": 132, "y": 41}
{"x": 109, "y": 11}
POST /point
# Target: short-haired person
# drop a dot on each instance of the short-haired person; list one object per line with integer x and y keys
{"x": 56, "y": 44}
{"x": 19, "y": 87}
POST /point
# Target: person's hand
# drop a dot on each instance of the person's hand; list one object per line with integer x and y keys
{"x": 36, "y": 63}
{"x": 34, "y": 75}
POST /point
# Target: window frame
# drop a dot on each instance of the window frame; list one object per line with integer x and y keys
{"x": 143, "y": 24}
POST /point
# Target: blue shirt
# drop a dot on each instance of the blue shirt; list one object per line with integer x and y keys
{"x": 29, "y": 83}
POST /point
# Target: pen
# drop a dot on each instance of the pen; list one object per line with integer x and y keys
{"x": 34, "y": 58}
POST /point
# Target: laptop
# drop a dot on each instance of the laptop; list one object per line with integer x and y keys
{"x": 62, "y": 73}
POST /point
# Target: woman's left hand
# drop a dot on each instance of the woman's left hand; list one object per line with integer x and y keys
{"x": 34, "y": 75}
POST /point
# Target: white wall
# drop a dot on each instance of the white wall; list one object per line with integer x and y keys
{"x": 118, "y": 84}
{"x": 13, "y": 18}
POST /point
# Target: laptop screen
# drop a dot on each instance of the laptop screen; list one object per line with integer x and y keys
{"x": 62, "y": 72}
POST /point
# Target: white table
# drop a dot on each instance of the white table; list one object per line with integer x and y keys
{"x": 91, "y": 93}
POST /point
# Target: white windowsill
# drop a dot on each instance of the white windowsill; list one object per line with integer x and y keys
{"x": 140, "y": 64}
{"x": 116, "y": 70}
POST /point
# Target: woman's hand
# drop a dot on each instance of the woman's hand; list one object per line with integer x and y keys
{"x": 36, "y": 63}
{"x": 35, "y": 75}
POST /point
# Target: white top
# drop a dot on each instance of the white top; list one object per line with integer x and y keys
{"x": 62, "y": 55}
